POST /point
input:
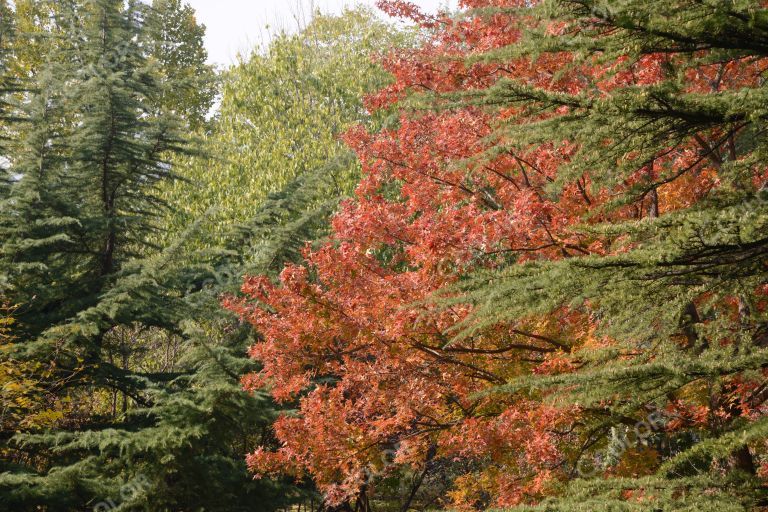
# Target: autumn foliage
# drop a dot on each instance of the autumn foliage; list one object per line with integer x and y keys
{"x": 384, "y": 375}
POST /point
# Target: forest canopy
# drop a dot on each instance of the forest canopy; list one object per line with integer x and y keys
{"x": 510, "y": 256}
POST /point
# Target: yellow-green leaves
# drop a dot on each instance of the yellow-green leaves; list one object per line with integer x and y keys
{"x": 282, "y": 112}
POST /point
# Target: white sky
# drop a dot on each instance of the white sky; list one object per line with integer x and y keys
{"x": 236, "y": 26}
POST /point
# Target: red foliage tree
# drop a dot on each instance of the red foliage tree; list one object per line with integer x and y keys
{"x": 351, "y": 336}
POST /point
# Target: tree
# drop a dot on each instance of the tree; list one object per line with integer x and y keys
{"x": 8, "y": 82}
{"x": 84, "y": 193}
{"x": 24, "y": 403}
{"x": 176, "y": 43}
{"x": 146, "y": 427}
{"x": 677, "y": 294}
{"x": 282, "y": 112}
{"x": 37, "y": 34}
{"x": 555, "y": 249}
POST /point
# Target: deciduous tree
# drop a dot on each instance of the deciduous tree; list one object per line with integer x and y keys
{"x": 580, "y": 182}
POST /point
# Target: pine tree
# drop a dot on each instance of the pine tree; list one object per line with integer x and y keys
{"x": 678, "y": 288}
{"x": 8, "y": 82}
{"x": 76, "y": 227}
{"x": 91, "y": 158}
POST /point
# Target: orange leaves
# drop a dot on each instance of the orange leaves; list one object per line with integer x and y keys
{"x": 636, "y": 462}
{"x": 405, "y": 9}
{"x": 687, "y": 190}
{"x": 350, "y": 334}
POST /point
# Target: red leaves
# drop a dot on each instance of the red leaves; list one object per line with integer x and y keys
{"x": 348, "y": 333}
{"x": 426, "y": 210}
{"x": 404, "y": 9}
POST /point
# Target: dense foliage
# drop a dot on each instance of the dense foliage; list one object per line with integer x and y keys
{"x": 119, "y": 369}
{"x": 549, "y": 289}
{"x": 283, "y": 109}
{"x": 110, "y": 405}
{"x": 512, "y": 256}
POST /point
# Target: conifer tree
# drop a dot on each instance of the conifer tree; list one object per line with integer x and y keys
{"x": 677, "y": 288}
{"x": 76, "y": 227}
{"x": 7, "y": 79}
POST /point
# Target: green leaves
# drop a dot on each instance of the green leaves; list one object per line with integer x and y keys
{"x": 283, "y": 110}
